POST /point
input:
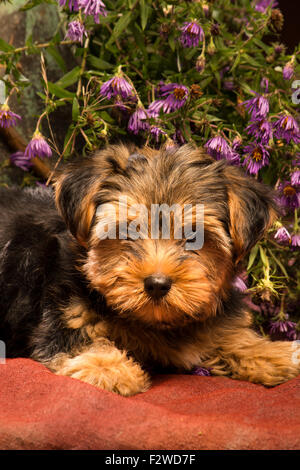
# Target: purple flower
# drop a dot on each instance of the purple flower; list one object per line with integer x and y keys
{"x": 284, "y": 327}
{"x": 156, "y": 132}
{"x": 203, "y": 371}
{"x": 215, "y": 29}
{"x": 282, "y": 235}
{"x": 296, "y": 161}
{"x": 289, "y": 195}
{"x": 239, "y": 284}
{"x": 192, "y": 34}
{"x": 138, "y": 121}
{"x": 262, "y": 5}
{"x": 178, "y": 137}
{"x": 256, "y": 157}
{"x": 93, "y": 8}
{"x": 295, "y": 243}
{"x": 176, "y": 96}
{"x": 229, "y": 85}
{"x": 287, "y": 128}
{"x": 258, "y": 107}
{"x": 72, "y": 4}
{"x": 7, "y": 117}
{"x": 295, "y": 178}
{"x": 121, "y": 106}
{"x": 224, "y": 71}
{"x": 279, "y": 49}
{"x": 205, "y": 9}
{"x": 116, "y": 86}
{"x": 261, "y": 130}
{"x": 20, "y": 160}
{"x": 38, "y": 147}
{"x": 155, "y": 107}
{"x": 218, "y": 148}
{"x": 288, "y": 71}
{"x": 76, "y": 30}
{"x": 264, "y": 84}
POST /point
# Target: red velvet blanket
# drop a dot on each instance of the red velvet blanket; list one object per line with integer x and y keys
{"x": 39, "y": 410}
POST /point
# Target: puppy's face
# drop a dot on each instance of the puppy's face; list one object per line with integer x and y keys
{"x": 147, "y": 270}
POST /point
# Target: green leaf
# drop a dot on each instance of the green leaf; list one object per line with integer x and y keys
{"x": 55, "y": 54}
{"x": 145, "y": 11}
{"x": 203, "y": 84}
{"x": 263, "y": 257}
{"x": 236, "y": 62}
{"x": 121, "y": 24}
{"x": 252, "y": 256}
{"x": 59, "y": 92}
{"x": 75, "y": 109}
{"x": 97, "y": 63}
{"x": 251, "y": 61}
{"x": 106, "y": 117}
{"x": 34, "y": 3}
{"x": 172, "y": 43}
{"x": 139, "y": 37}
{"x": 5, "y": 47}
{"x": 70, "y": 78}
{"x": 261, "y": 45}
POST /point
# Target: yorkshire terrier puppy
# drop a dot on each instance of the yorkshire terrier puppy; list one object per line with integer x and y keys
{"x": 108, "y": 309}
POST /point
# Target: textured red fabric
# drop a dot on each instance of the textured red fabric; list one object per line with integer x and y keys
{"x": 39, "y": 410}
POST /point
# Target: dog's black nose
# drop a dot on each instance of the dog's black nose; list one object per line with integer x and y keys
{"x": 157, "y": 285}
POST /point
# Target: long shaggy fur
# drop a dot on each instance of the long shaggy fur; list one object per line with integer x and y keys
{"x": 79, "y": 304}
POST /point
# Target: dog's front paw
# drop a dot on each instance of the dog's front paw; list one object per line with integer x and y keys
{"x": 107, "y": 369}
{"x": 277, "y": 363}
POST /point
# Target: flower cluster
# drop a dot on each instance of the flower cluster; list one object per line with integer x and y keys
{"x": 76, "y": 29}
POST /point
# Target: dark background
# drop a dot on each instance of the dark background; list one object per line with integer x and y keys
{"x": 291, "y": 28}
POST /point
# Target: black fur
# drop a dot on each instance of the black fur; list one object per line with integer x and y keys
{"x": 38, "y": 275}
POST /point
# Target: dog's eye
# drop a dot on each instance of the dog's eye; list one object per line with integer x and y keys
{"x": 190, "y": 236}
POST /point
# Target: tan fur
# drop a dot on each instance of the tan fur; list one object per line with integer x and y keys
{"x": 104, "y": 366}
{"x": 228, "y": 349}
{"x": 187, "y": 327}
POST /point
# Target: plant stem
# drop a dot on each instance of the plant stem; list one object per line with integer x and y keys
{"x": 82, "y": 68}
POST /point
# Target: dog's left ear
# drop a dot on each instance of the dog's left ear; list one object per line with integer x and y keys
{"x": 252, "y": 210}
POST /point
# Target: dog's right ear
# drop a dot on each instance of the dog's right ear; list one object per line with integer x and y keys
{"x": 77, "y": 186}
{"x": 75, "y": 190}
